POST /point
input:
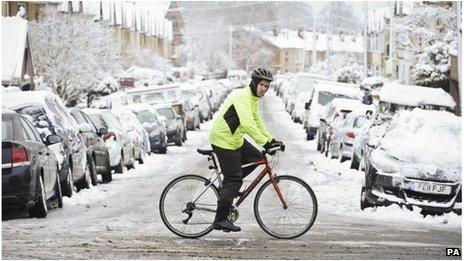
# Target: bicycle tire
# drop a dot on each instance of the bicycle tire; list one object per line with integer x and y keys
{"x": 168, "y": 205}
{"x": 288, "y": 185}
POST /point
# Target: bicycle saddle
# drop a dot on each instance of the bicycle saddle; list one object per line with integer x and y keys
{"x": 205, "y": 152}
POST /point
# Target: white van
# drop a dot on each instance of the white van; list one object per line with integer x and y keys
{"x": 322, "y": 94}
{"x": 300, "y": 82}
{"x": 238, "y": 77}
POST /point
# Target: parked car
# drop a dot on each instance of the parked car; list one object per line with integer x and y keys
{"x": 198, "y": 98}
{"x": 417, "y": 163}
{"x": 48, "y": 114}
{"x": 98, "y": 157}
{"x": 343, "y": 137}
{"x": 191, "y": 114}
{"x": 391, "y": 102}
{"x": 120, "y": 146}
{"x": 134, "y": 130}
{"x": 152, "y": 125}
{"x": 30, "y": 170}
{"x": 179, "y": 108}
{"x": 339, "y": 110}
{"x": 323, "y": 93}
{"x": 301, "y": 82}
{"x": 299, "y": 107}
{"x": 175, "y": 128}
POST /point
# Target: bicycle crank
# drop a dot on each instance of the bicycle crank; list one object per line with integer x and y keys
{"x": 233, "y": 214}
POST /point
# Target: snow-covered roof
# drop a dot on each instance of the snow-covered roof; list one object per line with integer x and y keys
{"x": 16, "y": 100}
{"x": 346, "y": 89}
{"x": 290, "y": 39}
{"x": 14, "y": 37}
{"x": 412, "y": 95}
{"x": 350, "y": 104}
{"x": 373, "y": 80}
{"x": 152, "y": 88}
{"x": 136, "y": 107}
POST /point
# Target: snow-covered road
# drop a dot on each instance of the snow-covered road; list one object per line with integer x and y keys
{"x": 120, "y": 220}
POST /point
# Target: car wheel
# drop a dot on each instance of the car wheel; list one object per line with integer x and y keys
{"x": 326, "y": 148}
{"x": 179, "y": 140}
{"x": 164, "y": 149}
{"x": 340, "y": 154}
{"x": 40, "y": 209}
{"x": 58, "y": 193}
{"x": 120, "y": 167}
{"x": 210, "y": 116}
{"x": 84, "y": 183}
{"x": 318, "y": 146}
{"x": 107, "y": 176}
{"x": 184, "y": 136}
{"x": 364, "y": 202}
{"x": 308, "y": 135}
{"x": 132, "y": 165}
{"x": 201, "y": 118}
{"x": 354, "y": 162}
{"x": 93, "y": 172}
{"x": 68, "y": 186}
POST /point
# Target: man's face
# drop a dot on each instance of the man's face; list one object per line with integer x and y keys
{"x": 263, "y": 85}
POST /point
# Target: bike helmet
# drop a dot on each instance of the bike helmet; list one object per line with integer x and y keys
{"x": 262, "y": 74}
{"x": 258, "y": 75}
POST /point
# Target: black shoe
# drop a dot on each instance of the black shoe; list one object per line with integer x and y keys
{"x": 225, "y": 225}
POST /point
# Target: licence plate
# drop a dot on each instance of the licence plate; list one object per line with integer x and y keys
{"x": 431, "y": 187}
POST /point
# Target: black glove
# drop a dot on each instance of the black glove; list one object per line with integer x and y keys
{"x": 269, "y": 145}
{"x": 281, "y": 144}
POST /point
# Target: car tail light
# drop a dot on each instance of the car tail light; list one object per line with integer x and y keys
{"x": 350, "y": 134}
{"x": 19, "y": 156}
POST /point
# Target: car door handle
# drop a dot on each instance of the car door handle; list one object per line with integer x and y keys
{"x": 40, "y": 153}
{"x": 47, "y": 154}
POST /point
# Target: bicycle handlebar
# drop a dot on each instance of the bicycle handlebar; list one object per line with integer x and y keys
{"x": 280, "y": 147}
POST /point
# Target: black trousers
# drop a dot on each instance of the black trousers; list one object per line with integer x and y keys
{"x": 230, "y": 162}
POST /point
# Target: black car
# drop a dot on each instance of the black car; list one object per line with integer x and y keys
{"x": 175, "y": 127}
{"x": 98, "y": 158}
{"x": 48, "y": 114}
{"x": 30, "y": 170}
{"x": 150, "y": 122}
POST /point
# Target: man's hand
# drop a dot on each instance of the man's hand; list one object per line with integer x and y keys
{"x": 273, "y": 144}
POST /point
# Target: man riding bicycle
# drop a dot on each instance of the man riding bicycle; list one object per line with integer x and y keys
{"x": 236, "y": 117}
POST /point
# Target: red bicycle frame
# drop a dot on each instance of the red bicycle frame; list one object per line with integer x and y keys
{"x": 266, "y": 171}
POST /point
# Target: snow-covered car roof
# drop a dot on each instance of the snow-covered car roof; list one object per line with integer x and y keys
{"x": 16, "y": 100}
{"x": 346, "y": 89}
{"x": 347, "y": 104}
{"x": 426, "y": 143}
{"x": 139, "y": 107}
{"x": 373, "y": 80}
{"x": 169, "y": 86}
{"x": 412, "y": 95}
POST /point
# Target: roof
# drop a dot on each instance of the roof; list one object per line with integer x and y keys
{"x": 413, "y": 95}
{"x": 290, "y": 40}
{"x": 138, "y": 107}
{"x": 346, "y": 89}
{"x": 152, "y": 88}
{"x": 14, "y": 37}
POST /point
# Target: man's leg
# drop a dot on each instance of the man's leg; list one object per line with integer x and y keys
{"x": 249, "y": 154}
{"x": 230, "y": 162}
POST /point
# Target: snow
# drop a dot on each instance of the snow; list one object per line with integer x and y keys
{"x": 411, "y": 95}
{"x": 350, "y": 90}
{"x": 339, "y": 43}
{"x": 14, "y": 39}
{"x": 433, "y": 134}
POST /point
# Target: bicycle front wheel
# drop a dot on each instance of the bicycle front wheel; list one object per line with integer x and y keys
{"x": 296, "y": 219}
{"x": 188, "y": 206}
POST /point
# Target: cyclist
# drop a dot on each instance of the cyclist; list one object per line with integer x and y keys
{"x": 236, "y": 117}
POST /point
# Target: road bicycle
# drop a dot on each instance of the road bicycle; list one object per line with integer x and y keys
{"x": 285, "y": 207}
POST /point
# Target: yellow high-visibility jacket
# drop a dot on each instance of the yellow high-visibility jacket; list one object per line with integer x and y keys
{"x": 239, "y": 116}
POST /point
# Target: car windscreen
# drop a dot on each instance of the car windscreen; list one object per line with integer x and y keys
{"x": 326, "y": 97}
{"x": 78, "y": 117}
{"x": 146, "y": 116}
{"x": 7, "y": 129}
{"x": 166, "y": 112}
{"x": 97, "y": 121}
{"x": 39, "y": 119}
{"x": 112, "y": 121}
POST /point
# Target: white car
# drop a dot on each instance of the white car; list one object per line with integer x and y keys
{"x": 198, "y": 98}
{"x": 323, "y": 93}
{"x": 416, "y": 163}
{"x": 104, "y": 118}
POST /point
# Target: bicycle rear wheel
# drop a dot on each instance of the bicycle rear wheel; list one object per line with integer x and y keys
{"x": 181, "y": 214}
{"x": 288, "y": 223}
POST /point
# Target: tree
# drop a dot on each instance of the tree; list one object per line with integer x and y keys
{"x": 433, "y": 67}
{"x": 73, "y": 53}
{"x": 345, "y": 68}
{"x": 339, "y": 15}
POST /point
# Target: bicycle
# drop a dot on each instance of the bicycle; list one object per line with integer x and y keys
{"x": 285, "y": 207}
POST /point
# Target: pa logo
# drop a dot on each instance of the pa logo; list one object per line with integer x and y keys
{"x": 454, "y": 251}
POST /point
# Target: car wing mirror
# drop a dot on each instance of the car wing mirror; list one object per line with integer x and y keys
{"x": 52, "y": 139}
